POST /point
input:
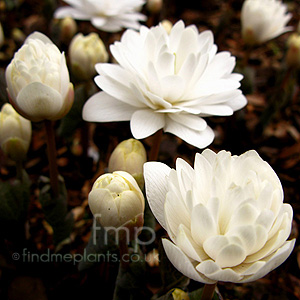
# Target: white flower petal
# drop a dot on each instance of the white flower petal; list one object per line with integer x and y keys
{"x": 199, "y": 139}
{"x": 65, "y": 11}
{"x": 156, "y": 188}
{"x": 176, "y": 213}
{"x": 191, "y": 121}
{"x": 186, "y": 243}
{"x": 182, "y": 263}
{"x": 214, "y": 272}
{"x": 39, "y": 101}
{"x": 273, "y": 261}
{"x": 203, "y": 224}
{"x": 101, "y": 107}
{"x": 144, "y": 123}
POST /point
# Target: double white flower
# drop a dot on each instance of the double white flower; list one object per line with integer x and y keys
{"x": 225, "y": 218}
{"x": 107, "y": 15}
{"x": 263, "y": 20}
{"x": 38, "y": 80}
{"x": 167, "y": 81}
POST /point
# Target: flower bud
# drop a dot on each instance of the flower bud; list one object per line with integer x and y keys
{"x": 167, "y": 25}
{"x": 2, "y": 38}
{"x": 68, "y": 28}
{"x": 130, "y": 156}
{"x": 154, "y": 6}
{"x": 116, "y": 201}
{"x": 85, "y": 52}
{"x": 179, "y": 294}
{"x": 15, "y": 133}
{"x": 38, "y": 81}
{"x": 293, "y": 52}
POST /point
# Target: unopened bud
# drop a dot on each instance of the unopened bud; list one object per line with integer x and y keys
{"x": 167, "y": 25}
{"x": 15, "y": 133}
{"x": 293, "y": 52}
{"x": 117, "y": 201}
{"x": 130, "y": 156}
{"x": 68, "y": 28}
{"x": 154, "y": 6}
{"x": 179, "y": 294}
{"x": 2, "y": 38}
{"x": 85, "y": 52}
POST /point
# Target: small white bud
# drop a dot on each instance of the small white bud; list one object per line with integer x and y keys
{"x": 130, "y": 156}
{"x": 117, "y": 201}
{"x": 15, "y": 133}
{"x": 85, "y": 52}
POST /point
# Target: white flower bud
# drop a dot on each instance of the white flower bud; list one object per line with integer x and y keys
{"x": 68, "y": 28}
{"x": 85, "y": 52}
{"x": 179, "y": 294}
{"x": 117, "y": 201}
{"x": 293, "y": 52}
{"x": 154, "y": 6}
{"x": 2, "y": 38}
{"x": 167, "y": 25}
{"x": 15, "y": 133}
{"x": 38, "y": 81}
{"x": 130, "y": 156}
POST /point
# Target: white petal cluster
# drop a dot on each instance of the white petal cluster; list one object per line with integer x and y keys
{"x": 107, "y": 15}
{"x": 263, "y": 20}
{"x": 167, "y": 81}
{"x": 15, "y": 133}
{"x": 38, "y": 80}
{"x": 116, "y": 200}
{"x": 225, "y": 217}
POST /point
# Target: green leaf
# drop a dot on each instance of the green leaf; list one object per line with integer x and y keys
{"x": 131, "y": 282}
{"x": 170, "y": 276}
{"x": 14, "y": 199}
{"x": 100, "y": 242}
{"x": 197, "y": 294}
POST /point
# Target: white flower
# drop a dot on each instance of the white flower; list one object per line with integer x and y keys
{"x": 225, "y": 217}
{"x": 116, "y": 200}
{"x": 107, "y": 15}
{"x": 38, "y": 80}
{"x": 263, "y": 20}
{"x": 15, "y": 133}
{"x": 166, "y": 81}
{"x": 85, "y": 52}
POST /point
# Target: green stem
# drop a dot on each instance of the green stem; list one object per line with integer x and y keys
{"x": 19, "y": 170}
{"x": 124, "y": 254}
{"x": 53, "y": 169}
{"x": 208, "y": 292}
{"x": 246, "y": 58}
{"x": 153, "y": 155}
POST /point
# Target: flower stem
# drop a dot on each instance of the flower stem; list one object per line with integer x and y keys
{"x": 123, "y": 247}
{"x": 153, "y": 155}
{"x": 19, "y": 170}
{"x": 208, "y": 292}
{"x": 246, "y": 58}
{"x": 53, "y": 169}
